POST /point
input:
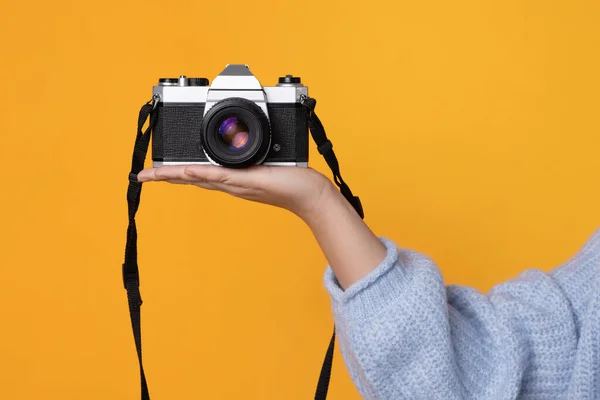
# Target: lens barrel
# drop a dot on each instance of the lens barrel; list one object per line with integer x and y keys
{"x": 236, "y": 133}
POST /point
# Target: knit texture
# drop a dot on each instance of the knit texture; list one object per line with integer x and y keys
{"x": 404, "y": 334}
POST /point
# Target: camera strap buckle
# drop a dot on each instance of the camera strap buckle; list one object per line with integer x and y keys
{"x": 325, "y": 148}
{"x": 130, "y": 277}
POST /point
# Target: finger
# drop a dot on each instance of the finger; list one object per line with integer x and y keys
{"x": 222, "y": 187}
{"x": 243, "y": 177}
{"x": 179, "y": 182}
{"x": 146, "y": 175}
{"x": 168, "y": 172}
{"x": 237, "y": 182}
{"x": 239, "y": 191}
{"x": 203, "y": 185}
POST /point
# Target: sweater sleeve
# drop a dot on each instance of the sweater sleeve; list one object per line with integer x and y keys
{"x": 578, "y": 277}
{"x": 404, "y": 334}
{"x": 393, "y": 331}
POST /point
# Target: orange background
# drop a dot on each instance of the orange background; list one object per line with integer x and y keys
{"x": 470, "y": 130}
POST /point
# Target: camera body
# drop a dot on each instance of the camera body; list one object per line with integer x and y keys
{"x": 234, "y": 122}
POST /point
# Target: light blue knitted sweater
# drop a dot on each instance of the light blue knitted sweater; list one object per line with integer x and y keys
{"x": 404, "y": 334}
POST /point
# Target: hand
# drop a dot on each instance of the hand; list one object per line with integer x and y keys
{"x": 299, "y": 190}
{"x": 349, "y": 245}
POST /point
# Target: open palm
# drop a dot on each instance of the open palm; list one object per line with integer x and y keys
{"x": 294, "y": 188}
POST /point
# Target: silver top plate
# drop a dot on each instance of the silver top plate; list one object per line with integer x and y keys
{"x": 235, "y": 80}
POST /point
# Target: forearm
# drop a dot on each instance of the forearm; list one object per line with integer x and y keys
{"x": 350, "y": 247}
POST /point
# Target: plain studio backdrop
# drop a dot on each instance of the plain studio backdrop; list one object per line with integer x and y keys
{"x": 469, "y": 129}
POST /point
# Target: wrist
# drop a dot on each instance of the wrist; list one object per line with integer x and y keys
{"x": 351, "y": 248}
{"x": 328, "y": 200}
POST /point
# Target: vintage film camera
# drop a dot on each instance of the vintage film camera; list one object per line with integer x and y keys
{"x": 235, "y": 122}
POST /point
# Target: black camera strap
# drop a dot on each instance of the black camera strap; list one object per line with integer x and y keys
{"x": 131, "y": 277}
{"x": 325, "y": 148}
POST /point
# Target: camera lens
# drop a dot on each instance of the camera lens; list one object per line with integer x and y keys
{"x": 236, "y": 133}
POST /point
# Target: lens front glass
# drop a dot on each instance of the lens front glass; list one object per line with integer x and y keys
{"x": 234, "y": 133}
